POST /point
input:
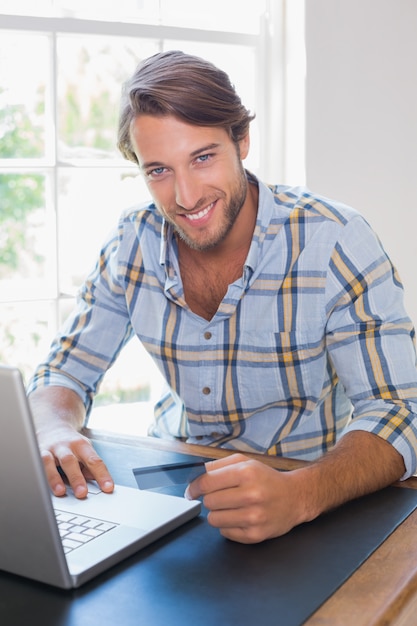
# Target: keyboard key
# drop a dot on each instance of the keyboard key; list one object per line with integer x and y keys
{"x": 62, "y": 516}
{"x": 70, "y": 543}
{"x": 80, "y": 537}
{"x": 93, "y": 532}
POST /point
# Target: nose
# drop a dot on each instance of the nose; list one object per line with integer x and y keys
{"x": 187, "y": 190}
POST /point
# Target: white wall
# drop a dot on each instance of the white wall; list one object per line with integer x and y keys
{"x": 361, "y": 118}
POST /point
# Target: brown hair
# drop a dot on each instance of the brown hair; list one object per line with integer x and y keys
{"x": 186, "y": 86}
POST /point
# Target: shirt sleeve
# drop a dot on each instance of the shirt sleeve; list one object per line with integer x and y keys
{"x": 94, "y": 334}
{"x": 371, "y": 340}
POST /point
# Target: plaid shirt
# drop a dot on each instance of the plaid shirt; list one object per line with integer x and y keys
{"x": 311, "y": 342}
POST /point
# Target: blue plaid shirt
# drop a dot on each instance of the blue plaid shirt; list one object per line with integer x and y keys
{"x": 311, "y": 342}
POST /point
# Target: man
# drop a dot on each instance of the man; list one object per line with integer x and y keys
{"x": 271, "y": 313}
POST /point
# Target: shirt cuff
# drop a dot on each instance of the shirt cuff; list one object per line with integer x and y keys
{"x": 401, "y": 444}
{"x": 55, "y": 379}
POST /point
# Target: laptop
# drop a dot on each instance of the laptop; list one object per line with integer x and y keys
{"x": 38, "y": 539}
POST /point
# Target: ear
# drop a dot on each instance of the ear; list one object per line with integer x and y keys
{"x": 244, "y": 145}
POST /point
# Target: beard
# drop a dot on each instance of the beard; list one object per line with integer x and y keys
{"x": 209, "y": 240}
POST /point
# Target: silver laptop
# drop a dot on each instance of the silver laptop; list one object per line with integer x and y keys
{"x": 65, "y": 541}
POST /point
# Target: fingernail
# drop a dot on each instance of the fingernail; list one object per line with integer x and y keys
{"x": 80, "y": 492}
{"x": 59, "y": 490}
{"x": 187, "y": 495}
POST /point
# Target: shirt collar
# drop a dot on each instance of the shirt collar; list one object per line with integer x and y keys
{"x": 265, "y": 208}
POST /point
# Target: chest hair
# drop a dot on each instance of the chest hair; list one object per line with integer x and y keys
{"x": 206, "y": 285}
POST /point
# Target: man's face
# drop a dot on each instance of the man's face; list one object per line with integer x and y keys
{"x": 194, "y": 174}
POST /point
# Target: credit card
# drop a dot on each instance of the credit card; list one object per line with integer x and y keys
{"x": 182, "y": 473}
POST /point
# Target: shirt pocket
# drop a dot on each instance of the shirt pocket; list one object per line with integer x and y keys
{"x": 282, "y": 367}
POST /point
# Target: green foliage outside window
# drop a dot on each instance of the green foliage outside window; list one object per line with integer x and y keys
{"x": 20, "y": 194}
{"x": 21, "y": 135}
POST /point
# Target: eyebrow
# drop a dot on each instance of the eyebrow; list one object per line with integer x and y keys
{"x": 194, "y": 153}
{"x": 150, "y": 164}
{"x": 211, "y": 146}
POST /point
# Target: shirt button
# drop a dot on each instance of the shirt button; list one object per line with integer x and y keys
{"x": 207, "y": 335}
{"x": 206, "y": 391}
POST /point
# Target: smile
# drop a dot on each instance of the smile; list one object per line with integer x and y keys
{"x": 200, "y": 214}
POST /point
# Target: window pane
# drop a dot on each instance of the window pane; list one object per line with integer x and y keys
{"x": 131, "y": 379}
{"x": 233, "y": 15}
{"x": 27, "y": 7}
{"x": 90, "y": 77}
{"x": 27, "y": 250}
{"x": 134, "y": 383}
{"x": 122, "y": 10}
{"x": 89, "y": 205}
{"x": 23, "y": 79}
{"x": 27, "y": 329}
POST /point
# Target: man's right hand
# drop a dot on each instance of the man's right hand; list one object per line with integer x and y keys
{"x": 59, "y": 415}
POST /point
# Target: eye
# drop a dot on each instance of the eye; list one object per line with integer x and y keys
{"x": 157, "y": 171}
{"x": 203, "y": 158}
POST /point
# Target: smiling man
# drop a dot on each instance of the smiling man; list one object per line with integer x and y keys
{"x": 274, "y": 315}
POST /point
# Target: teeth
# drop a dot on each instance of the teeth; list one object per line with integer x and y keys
{"x": 200, "y": 214}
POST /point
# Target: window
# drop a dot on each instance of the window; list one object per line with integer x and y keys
{"x": 63, "y": 183}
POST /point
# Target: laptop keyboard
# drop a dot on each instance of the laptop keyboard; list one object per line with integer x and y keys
{"x": 77, "y": 530}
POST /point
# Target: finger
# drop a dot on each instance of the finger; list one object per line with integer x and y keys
{"x": 225, "y": 461}
{"x": 72, "y": 470}
{"x": 225, "y": 499}
{"x": 232, "y": 528}
{"x": 202, "y": 485}
{"x": 235, "y": 526}
{"x": 95, "y": 468}
{"x": 242, "y": 535}
{"x": 222, "y": 477}
{"x": 53, "y": 476}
